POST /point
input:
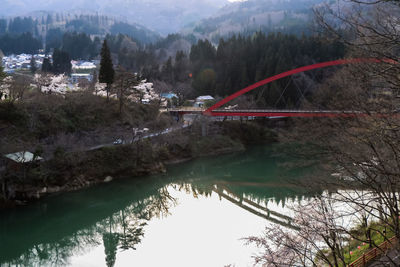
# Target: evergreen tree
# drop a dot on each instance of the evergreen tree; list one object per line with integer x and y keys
{"x": 3, "y": 26}
{"x": 110, "y": 242}
{"x": 180, "y": 67}
{"x": 46, "y": 66}
{"x": 49, "y": 20}
{"x": 167, "y": 71}
{"x": 61, "y": 62}
{"x": 2, "y": 74}
{"x": 106, "y": 74}
{"x": 204, "y": 83}
{"x": 33, "y": 65}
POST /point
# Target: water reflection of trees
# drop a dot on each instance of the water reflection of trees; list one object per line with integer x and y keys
{"x": 120, "y": 220}
{"x": 257, "y": 175}
{"x": 126, "y": 228}
{"x": 260, "y": 194}
{"x": 252, "y": 183}
{"x": 121, "y": 230}
{"x": 56, "y": 253}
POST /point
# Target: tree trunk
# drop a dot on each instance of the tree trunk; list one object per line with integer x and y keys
{"x": 3, "y": 189}
{"x": 108, "y": 92}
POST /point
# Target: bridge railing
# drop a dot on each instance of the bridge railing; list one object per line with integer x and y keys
{"x": 183, "y": 109}
{"x": 374, "y": 253}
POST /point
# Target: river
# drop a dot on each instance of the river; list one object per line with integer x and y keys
{"x": 196, "y": 214}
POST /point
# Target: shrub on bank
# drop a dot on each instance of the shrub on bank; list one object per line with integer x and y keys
{"x": 248, "y": 132}
{"x": 213, "y": 145}
{"x": 41, "y": 115}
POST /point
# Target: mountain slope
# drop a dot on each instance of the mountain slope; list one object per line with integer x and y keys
{"x": 253, "y": 15}
{"x": 50, "y": 25}
{"x": 164, "y": 16}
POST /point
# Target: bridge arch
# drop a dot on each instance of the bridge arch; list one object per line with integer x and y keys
{"x": 209, "y": 111}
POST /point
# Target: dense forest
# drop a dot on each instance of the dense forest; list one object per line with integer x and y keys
{"x": 77, "y": 45}
{"x": 59, "y": 30}
{"x": 19, "y": 35}
{"x": 148, "y": 59}
{"x": 19, "y": 25}
{"x": 233, "y": 64}
{"x": 18, "y": 44}
{"x": 240, "y": 61}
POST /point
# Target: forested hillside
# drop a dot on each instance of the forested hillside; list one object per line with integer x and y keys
{"x": 163, "y": 16}
{"x": 248, "y": 17}
{"x": 236, "y": 63}
{"x": 28, "y": 34}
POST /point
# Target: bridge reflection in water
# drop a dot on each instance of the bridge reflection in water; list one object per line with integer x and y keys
{"x": 254, "y": 207}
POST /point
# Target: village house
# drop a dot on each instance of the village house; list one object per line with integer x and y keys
{"x": 22, "y": 61}
{"x": 16, "y": 161}
{"x": 77, "y": 77}
{"x": 169, "y": 95}
{"x": 81, "y": 66}
{"x": 168, "y": 99}
{"x": 201, "y": 100}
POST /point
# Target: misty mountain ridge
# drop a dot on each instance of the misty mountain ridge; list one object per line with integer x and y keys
{"x": 290, "y": 16}
{"x": 42, "y": 23}
{"x": 163, "y": 16}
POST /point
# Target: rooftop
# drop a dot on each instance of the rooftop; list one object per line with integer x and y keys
{"x": 23, "y": 157}
{"x": 204, "y": 97}
{"x": 169, "y": 95}
{"x": 80, "y": 75}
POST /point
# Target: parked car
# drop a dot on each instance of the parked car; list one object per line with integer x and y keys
{"x": 118, "y": 142}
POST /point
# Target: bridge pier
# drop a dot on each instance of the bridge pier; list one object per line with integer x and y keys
{"x": 178, "y": 116}
{"x": 203, "y": 128}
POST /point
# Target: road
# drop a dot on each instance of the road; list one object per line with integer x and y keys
{"x": 150, "y": 135}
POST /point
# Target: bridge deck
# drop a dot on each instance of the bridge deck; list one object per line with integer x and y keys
{"x": 284, "y": 113}
{"x": 194, "y": 109}
{"x": 265, "y": 112}
{"x": 184, "y": 110}
{"x": 280, "y": 111}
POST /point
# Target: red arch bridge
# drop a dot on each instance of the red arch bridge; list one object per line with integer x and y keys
{"x": 215, "y": 111}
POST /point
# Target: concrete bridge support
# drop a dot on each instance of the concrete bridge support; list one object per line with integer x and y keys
{"x": 203, "y": 128}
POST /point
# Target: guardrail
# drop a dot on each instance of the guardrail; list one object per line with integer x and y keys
{"x": 373, "y": 253}
{"x": 183, "y": 109}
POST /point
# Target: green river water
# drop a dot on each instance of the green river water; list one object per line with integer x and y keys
{"x": 196, "y": 214}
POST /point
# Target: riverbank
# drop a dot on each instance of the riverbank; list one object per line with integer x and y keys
{"x": 74, "y": 171}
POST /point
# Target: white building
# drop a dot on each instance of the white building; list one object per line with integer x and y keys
{"x": 83, "y": 65}
{"x": 76, "y": 77}
{"x": 201, "y": 100}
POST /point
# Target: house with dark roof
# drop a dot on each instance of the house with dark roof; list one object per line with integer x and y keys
{"x": 17, "y": 160}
